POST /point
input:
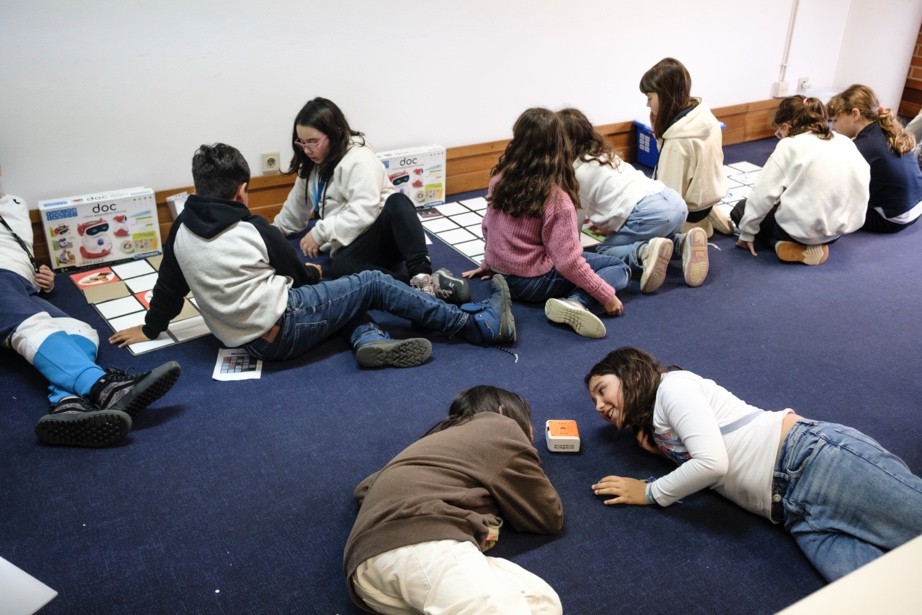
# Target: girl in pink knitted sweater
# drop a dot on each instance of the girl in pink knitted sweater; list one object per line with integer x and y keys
{"x": 531, "y": 232}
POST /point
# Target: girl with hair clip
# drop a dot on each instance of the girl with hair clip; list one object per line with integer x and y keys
{"x": 426, "y": 518}
{"x": 639, "y": 217}
{"x": 844, "y": 498}
{"x": 531, "y": 232}
{"x": 896, "y": 179}
{"x": 690, "y": 143}
{"x": 359, "y": 217}
{"x": 812, "y": 190}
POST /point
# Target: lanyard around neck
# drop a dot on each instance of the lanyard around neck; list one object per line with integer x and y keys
{"x": 22, "y": 244}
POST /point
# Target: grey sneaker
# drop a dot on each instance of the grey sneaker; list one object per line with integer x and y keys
{"x": 74, "y": 421}
{"x": 394, "y": 353}
{"x": 451, "y": 288}
{"x": 573, "y": 313}
{"x": 118, "y": 390}
{"x": 655, "y": 261}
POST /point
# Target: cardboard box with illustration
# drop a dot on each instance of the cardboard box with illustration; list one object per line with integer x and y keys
{"x": 104, "y": 227}
{"x": 417, "y": 172}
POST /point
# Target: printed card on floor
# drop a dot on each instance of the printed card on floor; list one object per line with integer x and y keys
{"x": 236, "y": 364}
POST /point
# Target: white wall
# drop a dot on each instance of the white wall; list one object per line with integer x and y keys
{"x": 107, "y": 94}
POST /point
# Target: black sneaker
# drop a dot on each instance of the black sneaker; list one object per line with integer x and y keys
{"x": 394, "y": 353}
{"x": 74, "y": 421}
{"x": 118, "y": 390}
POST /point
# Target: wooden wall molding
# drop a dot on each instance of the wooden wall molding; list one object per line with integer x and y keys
{"x": 467, "y": 167}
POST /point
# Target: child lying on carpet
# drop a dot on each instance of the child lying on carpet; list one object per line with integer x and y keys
{"x": 844, "y": 498}
{"x": 426, "y": 518}
{"x": 90, "y": 406}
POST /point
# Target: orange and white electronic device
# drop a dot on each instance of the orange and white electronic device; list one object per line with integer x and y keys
{"x": 562, "y": 436}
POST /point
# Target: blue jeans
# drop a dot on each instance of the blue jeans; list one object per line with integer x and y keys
{"x": 656, "y": 215}
{"x": 552, "y": 284}
{"x": 317, "y": 311}
{"x": 846, "y": 500}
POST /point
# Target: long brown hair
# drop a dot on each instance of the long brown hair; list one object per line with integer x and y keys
{"x": 537, "y": 159}
{"x": 323, "y": 115}
{"x": 864, "y": 99}
{"x": 803, "y": 115}
{"x": 586, "y": 143}
{"x": 670, "y": 81}
{"x": 640, "y": 374}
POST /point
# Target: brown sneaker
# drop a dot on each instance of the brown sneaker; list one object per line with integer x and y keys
{"x": 793, "y": 252}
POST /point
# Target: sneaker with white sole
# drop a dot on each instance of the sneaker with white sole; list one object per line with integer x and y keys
{"x": 119, "y": 390}
{"x": 656, "y": 257}
{"x": 394, "y": 353}
{"x": 75, "y": 421}
{"x": 695, "y": 262}
{"x": 573, "y": 313}
{"x": 793, "y": 252}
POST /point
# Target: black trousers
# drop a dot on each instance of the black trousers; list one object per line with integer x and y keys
{"x": 394, "y": 242}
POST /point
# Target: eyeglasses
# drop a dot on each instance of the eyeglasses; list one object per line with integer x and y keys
{"x": 311, "y": 144}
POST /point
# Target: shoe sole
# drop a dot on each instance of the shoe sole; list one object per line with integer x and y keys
{"x": 654, "y": 276}
{"x": 459, "y": 291}
{"x": 506, "y": 319}
{"x": 150, "y": 389}
{"x": 793, "y": 252}
{"x": 87, "y": 429}
{"x": 584, "y": 322}
{"x": 695, "y": 262}
{"x": 403, "y": 353}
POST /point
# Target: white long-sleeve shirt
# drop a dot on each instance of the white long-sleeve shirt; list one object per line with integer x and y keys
{"x": 688, "y": 415}
{"x": 822, "y": 187}
{"x": 609, "y": 194}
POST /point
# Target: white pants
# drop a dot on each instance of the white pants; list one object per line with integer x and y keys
{"x": 447, "y": 577}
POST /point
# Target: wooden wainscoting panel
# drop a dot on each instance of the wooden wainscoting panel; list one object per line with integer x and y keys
{"x": 467, "y": 167}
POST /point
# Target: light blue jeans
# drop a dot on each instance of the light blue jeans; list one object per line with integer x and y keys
{"x": 317, "y": 311}
{"x": 656, "y": 215}
{"x": 846, "y": 499}
{"x": 550, "y": 285}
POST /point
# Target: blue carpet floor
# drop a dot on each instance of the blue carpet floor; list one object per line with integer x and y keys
{"x": 235, "y": 497}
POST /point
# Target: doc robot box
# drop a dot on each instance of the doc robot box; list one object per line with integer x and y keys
{"x": 417, "y": 172}
{"x": 104, "y": 227}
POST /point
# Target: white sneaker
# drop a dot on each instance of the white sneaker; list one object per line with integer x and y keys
{"x": 655, "y": 260}
{"x": 695, "y": 257}
{"x": 572, "y": 312}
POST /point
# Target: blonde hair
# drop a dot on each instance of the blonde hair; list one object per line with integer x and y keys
{"x": 862, "y": 97}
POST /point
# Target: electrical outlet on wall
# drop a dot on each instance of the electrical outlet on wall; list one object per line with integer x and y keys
{"x": 270, "y": 163}
{"x": 803, "y": 84}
